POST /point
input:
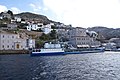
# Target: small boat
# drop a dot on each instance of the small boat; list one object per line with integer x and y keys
{"x": 49, "y": 49}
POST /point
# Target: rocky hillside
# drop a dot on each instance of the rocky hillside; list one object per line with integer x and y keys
{"x": 107, "y": 32}
{"x": 36, "y": 17}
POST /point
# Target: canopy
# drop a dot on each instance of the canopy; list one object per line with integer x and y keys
{"x": 83, "y": 46}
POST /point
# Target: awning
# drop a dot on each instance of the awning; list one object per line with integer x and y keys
{"x": 83, "y": 46}
{"x": 95, "y": 46}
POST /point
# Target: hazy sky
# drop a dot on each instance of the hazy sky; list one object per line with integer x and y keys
{"x": 79, "y": 13}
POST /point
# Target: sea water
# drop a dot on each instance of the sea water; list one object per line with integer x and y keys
{"x": 93, "y": 66}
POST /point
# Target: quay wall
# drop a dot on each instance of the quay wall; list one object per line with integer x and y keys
{"x": 2, "y": 52}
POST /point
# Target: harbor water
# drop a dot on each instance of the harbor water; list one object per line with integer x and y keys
{"x": 93, "y": 66}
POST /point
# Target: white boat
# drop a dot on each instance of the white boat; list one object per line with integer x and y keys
{"x": 56, "y": 49}
{"x": 49, "y": 49}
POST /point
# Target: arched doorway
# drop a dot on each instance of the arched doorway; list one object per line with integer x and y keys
{"x": 17, "y": 46}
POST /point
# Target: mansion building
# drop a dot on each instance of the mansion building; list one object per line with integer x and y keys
{"x": 12, "y": 41}
{"x": 79, "y": 38}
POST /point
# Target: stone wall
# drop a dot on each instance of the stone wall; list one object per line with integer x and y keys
{"x": 14, "y": 52}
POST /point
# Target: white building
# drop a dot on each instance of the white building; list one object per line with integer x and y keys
{"x": 40, "y": 24}
{"x": 18, "y": 19}
{"x": 79, "y": 38}
{"x": 61, "y": 25}
{"x": 11, "y": 41}
{"x": 32, "y": 26}
{"x": 23, "y": 22}
{"x": 109, "y": 46}
{"x": 30, "y": 43}
{"x": 1, "y": 17}
{"x": 47, "y": 28}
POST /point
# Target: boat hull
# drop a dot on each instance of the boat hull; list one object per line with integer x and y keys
{"x": 47, "y": 54}
{"x": 75, "y": 52}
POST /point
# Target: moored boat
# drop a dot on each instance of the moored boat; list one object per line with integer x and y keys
{"x": 82, "y": 51}
{"x": 49, "y": 49}
{"x": 56, "y": 49}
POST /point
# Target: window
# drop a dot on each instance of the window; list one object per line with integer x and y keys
{"x": 8, "y": 46}
{"x": 2, "y": 46}
{"x": 3, "y": 36}
{"x": 12, "y": 36}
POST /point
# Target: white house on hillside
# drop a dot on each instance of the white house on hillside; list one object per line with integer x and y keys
{"x": 40, "y": 24}
{"x": 18, "y": 19}
{"x": 47, "y": 28}
{"x": 32, "y": 26}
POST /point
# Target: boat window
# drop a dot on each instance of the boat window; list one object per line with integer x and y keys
{"x": 33, "y": 50}
{"x": 38, "y": 50}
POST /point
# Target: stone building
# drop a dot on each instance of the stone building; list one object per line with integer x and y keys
{"x": 12, "y": 26}
{"x": 79, "y": 38}
{"x": 11, "y": 41}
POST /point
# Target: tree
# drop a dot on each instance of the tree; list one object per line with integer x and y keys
{"x": 10, "y": 12}
{"x": 22, "y": 19}
{"x": 6, "y": 20}
{"x": 53, "y": 27}
{"x": 44, "y": 37}
{"x": 39, "y": 44}
{"x": 53, "y": 34}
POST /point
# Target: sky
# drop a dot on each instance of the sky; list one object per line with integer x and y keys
{"x": 78, "y": 13}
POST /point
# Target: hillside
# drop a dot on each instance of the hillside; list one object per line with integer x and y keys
{"x": 36, "y": 17}
{"x": 107, "y": 32}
